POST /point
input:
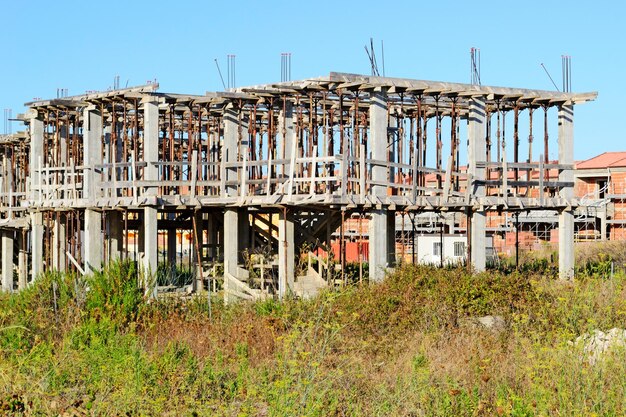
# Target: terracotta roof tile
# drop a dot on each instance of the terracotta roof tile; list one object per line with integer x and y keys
{"x": 604, "y": 160}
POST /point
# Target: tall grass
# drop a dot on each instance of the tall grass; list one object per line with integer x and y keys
{"x": 405, "y": 347}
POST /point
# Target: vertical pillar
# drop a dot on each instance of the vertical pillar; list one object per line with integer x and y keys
{"x": 231, "y": 215}
{"x": 59, "y": 243}
{"x": 36, "y": 242}
{"x": 115, "y": 224}
{"x": 150, "y": 250}
{"x": 171, "y": 246}
{"x": 243, "y": 231}
{"x": 92, "y": 153}
{"x": 286, "y": 253}
{"x": 150, "y": 173}
{"x": 566, "y": 217}
{"x": 151, "y": 142}
{"x": 36, "y": 154}
{"x": 198, "y": 242}
{"x": 379, "y": 244}
{"x": 231, "y": 248}
{"x": 382, "y": 223}
{"x": 391, "y": 238}
{"x": 289, "y": 135}
{"x": 7, "y": 260}
{"x": 476, "y": 151}
{"x": 93, "y": 241}
{"x": 212, "y": 237}
{"x": 22, "y": 261}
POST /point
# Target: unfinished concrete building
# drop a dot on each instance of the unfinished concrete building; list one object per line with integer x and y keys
{"x": 261, "y": 177}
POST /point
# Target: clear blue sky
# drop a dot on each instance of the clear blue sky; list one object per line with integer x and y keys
{"x": 82, "y": 45}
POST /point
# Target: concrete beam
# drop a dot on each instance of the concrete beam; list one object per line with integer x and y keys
{"x": 476, "y": 151}
{"x": 7, "y": 260}
{"x": 566, "y": 217}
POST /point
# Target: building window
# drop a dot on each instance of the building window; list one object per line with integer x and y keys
{"x": 459, "y": 248}
{"x": 437, "y": 248}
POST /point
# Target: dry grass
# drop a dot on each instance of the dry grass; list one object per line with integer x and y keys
{"x": 404, "y": 347}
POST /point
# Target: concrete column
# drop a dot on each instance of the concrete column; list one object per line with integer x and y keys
{"x": 286, "y": 254}
{"x": 230, "y": 148}
{"x": 566, "y": 217}
{"x": 231, "y": 248}
{"x": 382, "y": 224}
{"x": 231, "y": 215}
{"x": 115, "y": 225}
{"x": 150, "y": 173}
{"x": 36, "y": 152}
{"x": 93, "y": 242}
{"x": 171, "y": 246}
{"x": 36, "y": 242}
{"x": 391, "y": 238}
{"x": 603, "y": 223}
{"x": 286, "y": 128}
{"x": 59, "y": 243}
{"x": 22, "y": 261}
{"x": 150, "y": 247}
{"x": 197, "y": 251}
{"x": 150, "y": 142}
{"x": 92, "y": 153}
{"x": 212, "y": 237}
{"x": 476, "y": 151}
{"x": 379, "y": 244}
{"x": 7, "y": 260}
{"x": 243, "y": 231}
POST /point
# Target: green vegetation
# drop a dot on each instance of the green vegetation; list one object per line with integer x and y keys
{"x": 405, "y": 347}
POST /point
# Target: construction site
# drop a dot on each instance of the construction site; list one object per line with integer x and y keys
{"x": 272, "y": 190}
